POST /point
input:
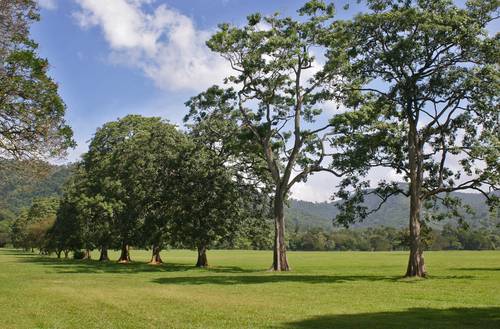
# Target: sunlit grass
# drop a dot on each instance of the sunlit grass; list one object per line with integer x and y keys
{"x": 324, "y": 290}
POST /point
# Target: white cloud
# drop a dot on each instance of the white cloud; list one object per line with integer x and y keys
{"x": 163, "y": 43}
{"x": 321, "y": 186}
{"x": 47, "y": 4}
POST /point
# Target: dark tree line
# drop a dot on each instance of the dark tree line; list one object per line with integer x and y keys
{"x": 143, "y": 183}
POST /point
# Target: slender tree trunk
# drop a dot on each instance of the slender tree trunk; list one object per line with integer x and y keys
{"x": 280, "y": 261}
{"x": 125, "y": 253}
{"x": 66, "y": 252}
{"x": 202, "y": 256}
{"x": 416, "y": 266}
{"x": 58, "y": 253}
{"x": 87, "y": 254}
{"x": 155, "y": 257}
{"x": 104, "y": 254}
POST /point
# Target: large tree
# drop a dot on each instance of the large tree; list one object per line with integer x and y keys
{"x": 32, "y": 121}
{"x": 277, "y": 96}
{"x": 424, "y": 82}
{"x": 123, "y": 164}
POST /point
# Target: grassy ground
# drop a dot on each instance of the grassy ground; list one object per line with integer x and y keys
{"x": 325, "y": 290}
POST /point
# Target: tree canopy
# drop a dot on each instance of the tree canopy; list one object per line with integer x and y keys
{"x": 32, "y": 121}
{"x": 423, "y": 79}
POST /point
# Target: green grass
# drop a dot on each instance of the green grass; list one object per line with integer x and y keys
{"x": 324, "y": 290}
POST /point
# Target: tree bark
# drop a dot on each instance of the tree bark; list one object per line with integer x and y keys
{"x": 125, "y": 253}
{"x": 280, "y": 261}
{"x": 87, "y": 254}
{"x": 155, "y": 257}
{"x": 202, "y": 257}
{"x": 416, "y": 265}
{"x": 104, "y": 254}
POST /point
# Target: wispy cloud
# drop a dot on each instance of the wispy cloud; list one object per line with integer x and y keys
{"x": 160, "y": 41}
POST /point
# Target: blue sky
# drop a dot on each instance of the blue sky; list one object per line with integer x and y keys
{"x": 98, "y": 78}
{"x": 116, "y": 57}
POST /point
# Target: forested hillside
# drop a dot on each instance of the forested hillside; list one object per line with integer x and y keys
{"x": 394, "y": 213}
{"x": 21, "y": 184}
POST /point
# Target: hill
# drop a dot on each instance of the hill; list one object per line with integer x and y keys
{"x": 20, "y": 183}
{"x": 394, "y": 213}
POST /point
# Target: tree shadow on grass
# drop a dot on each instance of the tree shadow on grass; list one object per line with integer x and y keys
{"x": 280, "y": 277}
{"x": 425, "y": 318}
{"x": 94, "y": 266}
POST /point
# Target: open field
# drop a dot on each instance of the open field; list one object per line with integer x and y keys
{"x": 325, "y": 290}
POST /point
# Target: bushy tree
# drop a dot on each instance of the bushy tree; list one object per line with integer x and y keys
{"x": 123, "y": 166}
{"x": 29, "y": 229}
{"x": 211, "y": 204}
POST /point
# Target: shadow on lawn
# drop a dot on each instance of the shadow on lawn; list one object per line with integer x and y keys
{"x": 94, "y": 266}
{"x": 281, "y": 277}
{"x": 484, "y": 318}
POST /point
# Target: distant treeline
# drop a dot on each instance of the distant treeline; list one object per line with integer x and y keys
{"x": 389, "y": 239}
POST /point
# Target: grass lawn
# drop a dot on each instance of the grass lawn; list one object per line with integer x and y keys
{"x": 324, "y": 290}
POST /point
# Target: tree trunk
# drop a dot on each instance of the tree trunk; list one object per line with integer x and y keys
{"x": 155, "y": 257}
{"x": 66, "y": 252}
{"x": 125, "y": 253}
{"x": 58, "y": 253}
{"x": 416, "y": 266}
{"x": 87, "y": 254}
{"x": 202, "y": 257}
{"x": 280, "y": 261}
{"x": 104, "y": 254}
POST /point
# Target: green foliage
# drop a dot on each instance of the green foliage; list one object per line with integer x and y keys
{"x": 22, "y": 182}
{"x": 392, "y": 239}
{"x": 275, "y": 104}
{"x": 424, "y": 85}
{"x": 29, "y": 230}
{"x": 32, "y": 124}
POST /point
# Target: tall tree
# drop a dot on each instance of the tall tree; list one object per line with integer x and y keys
{"x": 276, "y": 100}
{"x": 32, "y": 121}
{"x": 424, "y": 80}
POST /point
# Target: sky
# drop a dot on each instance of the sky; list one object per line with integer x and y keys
{"x": 111, "y": 58}
{"x": 117, "y": 57}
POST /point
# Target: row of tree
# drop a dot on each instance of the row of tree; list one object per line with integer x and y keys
{"x": 419, "y": 85}
{"x": 34, "y": 229}
{"x": 144, "y": 183}
{"x": 417, "y": 80}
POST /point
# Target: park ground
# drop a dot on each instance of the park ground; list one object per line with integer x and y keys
{"x": 324, "y": 290}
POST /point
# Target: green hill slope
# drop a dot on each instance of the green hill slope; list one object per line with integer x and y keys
{"x": 394, "y": 213}
{"x": 20, "y": 185}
